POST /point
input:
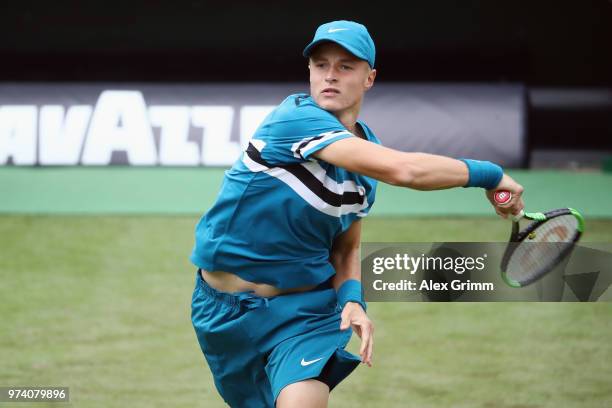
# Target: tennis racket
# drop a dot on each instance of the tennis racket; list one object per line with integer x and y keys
{"x": 536, "y": 249}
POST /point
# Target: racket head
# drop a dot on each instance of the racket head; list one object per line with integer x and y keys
{"x": 543, "y": 244}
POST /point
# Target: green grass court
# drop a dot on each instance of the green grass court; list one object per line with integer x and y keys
{"x": 101, "y": 304}
{"x": 96, "y": 287}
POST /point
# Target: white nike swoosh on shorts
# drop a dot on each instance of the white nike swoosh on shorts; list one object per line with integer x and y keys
{"x": 305, "y": 363}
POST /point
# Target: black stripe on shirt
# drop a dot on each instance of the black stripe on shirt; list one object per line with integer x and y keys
{"x": 306, "y": 142}
{"x": 310, "y": 181}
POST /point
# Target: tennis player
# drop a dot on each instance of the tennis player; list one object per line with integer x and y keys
{"x": 278, "y": 288}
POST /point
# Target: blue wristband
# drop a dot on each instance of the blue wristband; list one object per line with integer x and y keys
{"x": 483, "y": 174}
{"x": 351, "y": 291}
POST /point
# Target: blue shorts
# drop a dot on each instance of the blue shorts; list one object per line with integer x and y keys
{"x": 256, "y": 346}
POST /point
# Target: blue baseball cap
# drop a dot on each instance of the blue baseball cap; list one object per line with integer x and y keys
{"x": 354, "y": 37}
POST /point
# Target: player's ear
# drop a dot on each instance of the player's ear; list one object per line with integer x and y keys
{"x": 369, "y": 81}
{"x": 309, "y": 62}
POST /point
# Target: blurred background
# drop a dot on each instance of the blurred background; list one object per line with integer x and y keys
{"x": 118, "y": 119}
{"x": 559, "y": 51}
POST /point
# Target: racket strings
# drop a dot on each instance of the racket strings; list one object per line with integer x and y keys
{"x": 542, "y": 249}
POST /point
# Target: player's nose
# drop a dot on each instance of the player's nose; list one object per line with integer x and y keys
{"x": 330, "y": 78}
{"x": 330, "y": 75}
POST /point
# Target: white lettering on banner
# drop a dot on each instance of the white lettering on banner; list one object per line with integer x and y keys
{"x": 18, "y": 134}
{"x": 217, "y": 149}
{"x": 174, "y": 148}
{"x": 250, "y": 119}
{"x": 61, "y": 138}
{"x": 120, "y": 123}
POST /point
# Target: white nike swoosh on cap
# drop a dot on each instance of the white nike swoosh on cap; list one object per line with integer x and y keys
{"x": 333, "y": 30}
{"x": 305, "y": 363}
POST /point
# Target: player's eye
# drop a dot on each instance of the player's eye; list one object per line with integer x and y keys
{"x": 346, "y": 67}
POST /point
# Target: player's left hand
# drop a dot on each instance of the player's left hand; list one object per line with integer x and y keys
{"x": 354, "y": 316}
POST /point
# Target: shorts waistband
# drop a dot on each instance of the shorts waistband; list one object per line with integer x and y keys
{"x": 247, "y": 299}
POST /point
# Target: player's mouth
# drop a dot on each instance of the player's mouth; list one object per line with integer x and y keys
{"x": 330, "y": 92}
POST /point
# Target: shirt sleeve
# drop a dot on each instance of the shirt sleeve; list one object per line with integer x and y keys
{"x": 292, "y": 134}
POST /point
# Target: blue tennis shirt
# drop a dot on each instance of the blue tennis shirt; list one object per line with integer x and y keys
{"x": 279, "y": 209}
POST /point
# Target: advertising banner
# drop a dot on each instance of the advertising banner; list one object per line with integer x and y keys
{"x": 99, "y": 124}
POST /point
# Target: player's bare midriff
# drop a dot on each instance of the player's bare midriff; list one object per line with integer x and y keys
{"x": 230, "y": 282}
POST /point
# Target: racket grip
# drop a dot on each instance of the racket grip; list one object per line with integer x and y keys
{"x": 502, "y": 197}
{"x": 517, "y": 217}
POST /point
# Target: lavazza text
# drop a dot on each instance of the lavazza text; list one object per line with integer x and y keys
{"x": 121, "y": 121}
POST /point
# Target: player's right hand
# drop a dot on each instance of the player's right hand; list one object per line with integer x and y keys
{"x": 354, "y": 316}
{"x": 512, "y": 207}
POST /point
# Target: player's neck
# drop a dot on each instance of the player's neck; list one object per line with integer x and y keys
{"x": 348, "y": 118}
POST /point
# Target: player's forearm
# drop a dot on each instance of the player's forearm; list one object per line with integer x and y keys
{"x": 347, "y": 265}
{"x": 345, "y": 258}
{"x": 422, "y": 171}
{"x": 347, "y": 280}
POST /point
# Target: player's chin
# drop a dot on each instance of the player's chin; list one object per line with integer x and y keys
{"x": 331, "y": 105}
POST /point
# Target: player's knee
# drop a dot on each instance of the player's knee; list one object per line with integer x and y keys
{"x": 308, "y": 394}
